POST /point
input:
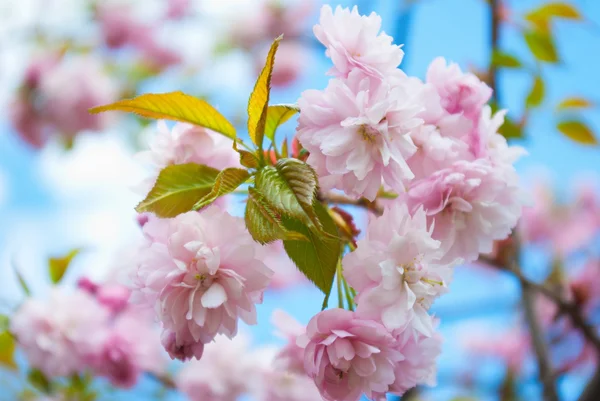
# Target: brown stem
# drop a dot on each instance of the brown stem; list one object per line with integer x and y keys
{"x": 165, "y": 380}
{"x": 340, "y": 199}
{"x": 494, "y": 39}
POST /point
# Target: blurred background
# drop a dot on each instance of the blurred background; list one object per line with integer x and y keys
{"x": 68, "y": 180}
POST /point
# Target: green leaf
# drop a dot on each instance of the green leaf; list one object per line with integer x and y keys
{"x": 264, "y": 222}
{"x": 536, "y": 94}
{"x": 247, "y": 159}
{"x": 39, "y": 380}
{"x": 4, "y": 323}
{"x": 259, "y": 98}
{"x": 227, "y": 181}
{"x": 58, "y": 266}
{"x": 277, "y": 115}
{"x": 554, "y": 10}
{"x": 505, "y": 60}
{"x": 178, "y": 188}
{"x": 510, "y": 129}
{"x": 541, "y": 46}
{"x": 577, "y": 131}
{"x": 7, "y": 350}
{"x": 284, "y": 149}
{"x": 21, "y": 279}
{"x": 291, "y": 188}
{"x": 317, "y": 258}
{"x": 574, "y": 102}
{"x": 175, "y": 106}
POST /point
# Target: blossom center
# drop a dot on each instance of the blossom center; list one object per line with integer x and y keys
{"x": 368, "y": 133}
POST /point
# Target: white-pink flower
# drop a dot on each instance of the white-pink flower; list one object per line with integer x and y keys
{"x": 358, "y": 133}
{"x": 58, "y": 334}
{"x": 396, "y": 271}
{"x": 353, "y": 41}
{"x": 419, "y": 366}
{"x": 201, "y": 272}
{"x": 470, "y": 205}
{"x": 348, "y": 356}
{"x": 291, "y": 356}
{"x": 225, "y": 372}
{"x": 460, "y": 93}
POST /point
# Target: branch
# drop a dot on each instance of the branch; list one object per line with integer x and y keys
{"x": 566, "y": 307}
{"x": 340, "y": 199}
{"x": 165, "y": 380}
{"x": 494, "y": 39}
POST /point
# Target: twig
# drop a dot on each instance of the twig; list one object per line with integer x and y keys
{"x": 566, "y": 307}
{"x": 165, "y": 380}
{"x": 340, "y": 199}
{"x": 494, "y": 39}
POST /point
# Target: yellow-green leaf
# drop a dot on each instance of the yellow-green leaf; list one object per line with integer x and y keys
{"x": 317, "y": 258}
{"x": 277, "y": 115}
{"x": 178, "y": 188}
{"x": 284, "y": 149}
{"x": 4, "y": 323}
{"x": 259, "y": 98}
{"x": 7, "y": 350}
{"x": 59, "y": 265}
{"x": 264, "y": 222}
{"x": 577, "y": 131}
{"x": 176, "y": 106}
{"x": 39, "y": 380}
{"x": 541, "y": 46}
{"x": 503, "y": 59}
{"x": 510, "y": 129}
{"x": 551, "y": 10}
{"x": 227, "y": 181}
{"x": 247, "y": 159}
{"x": 536, "y": 94}
{"x": 574, "y": 102}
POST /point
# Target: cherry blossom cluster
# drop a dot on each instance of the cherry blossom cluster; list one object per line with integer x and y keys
{"x": 93, "y": 329}
{"x": 435, "y": 144}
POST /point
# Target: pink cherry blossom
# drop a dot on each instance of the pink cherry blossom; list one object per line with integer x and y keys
{"x": 348, "y": 356}
{"x": 58, "y": 334}
{"x": 291, "y": 356}
{"x": 358, "y": 134}
{"x": 470, "y": 204}
{"x": 282, "y": 385}
{"x": 419, "y": 366}
{"x": 460, "y": 93}
{"x": 202, "y": 273}
{"x": 225, "y": 372}
{"x": 113, "y": 296}
{"x": 353, "y": 42}
{"x": 510, "y": 346}
{"x": 396, "y": 271}
{"x": 292, "y": 58}
{"x": 537, "y": 222}
{"x": 286, "y": 274}
{"x": 72, "y": 87}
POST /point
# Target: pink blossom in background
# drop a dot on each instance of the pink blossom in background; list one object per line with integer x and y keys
{"x": 358, "y": 134}
{"x": 28, "y": 123}
{"x": 510, "y": 346}
{"x": 287, "y": 18}
{"x": 286, "y": 274}
{"x": 292, "y": 58}
{"x": 75, "y": 85}
{"x": 396, "y": 271}
{"x": 348, "y": 356}
{"x": 470, "y": 204}
{"x": 225, "y": 372}
{"x": 178, "y": 9}
{"x": 584, "y": 286}
{"x": 537, "y": 221}
{"x": 291, "y": 356}
{"x": 353, "y": 41}
{"x": 282, "y": 385}
{"x": 419, "y": 366}
{"x": 181, "y": 345}
{"x": 115, "y": 297}
{"x": 58, "y": 334}
{"x": 460, "y": 93}
{"x": 201, "y": 272}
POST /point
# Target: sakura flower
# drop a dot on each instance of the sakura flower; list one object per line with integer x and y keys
{"x": 292, "y": 58}
{"x": 59, "y": 333}
{"x": 282, "y": 385}
{"x": 396, "y": 271}
{"x": 460, "y": 93}
{"x": 510, "y": 346}
{"x": 225, "y": 372}
{"x": 113, "y": 296}
{"x": 348, "y": 356}
{"x": 419, "y": 366}
{"x": 357, "y": 132}
{"x": 291, "y": 356}
{"x": 201, "y": 272}
{"x": 470, "y": 204}
{"x": 353, "y": 42}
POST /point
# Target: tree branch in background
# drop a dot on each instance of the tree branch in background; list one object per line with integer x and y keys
{"x": 340, "y": 199}
{"x": 495, "y": 10}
